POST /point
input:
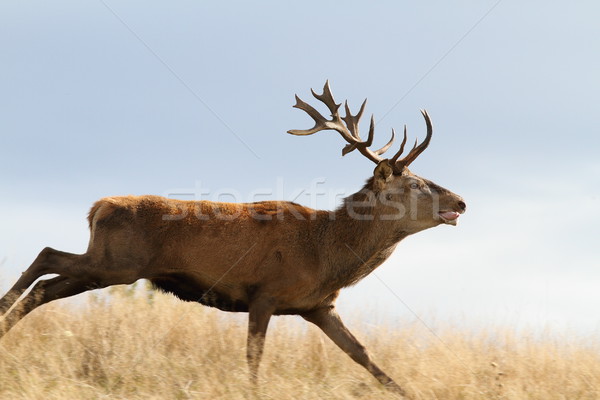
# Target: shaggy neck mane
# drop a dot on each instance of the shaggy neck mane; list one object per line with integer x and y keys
{"x": 356, "y": 240}
{"x": 360, "y": 202}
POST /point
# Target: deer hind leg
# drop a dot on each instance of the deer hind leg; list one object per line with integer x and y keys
{"x": 95, "y": 271}
{"x": 259, "y": 314}
{"x": 49, "y": 261}
{"x": 43, "y": 292}
{"x": 331, "y": 324}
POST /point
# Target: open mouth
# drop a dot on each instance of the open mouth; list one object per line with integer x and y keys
{"x": 449, "y": 217}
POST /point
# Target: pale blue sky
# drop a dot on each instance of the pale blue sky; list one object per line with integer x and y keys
{"x": 102, "y": 98}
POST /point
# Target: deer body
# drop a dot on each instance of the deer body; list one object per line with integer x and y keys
{"x": 183, "y": 248}
{"x": 266, "y": 258}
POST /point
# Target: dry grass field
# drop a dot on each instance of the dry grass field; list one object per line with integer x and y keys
{"x": 136, "y": 345}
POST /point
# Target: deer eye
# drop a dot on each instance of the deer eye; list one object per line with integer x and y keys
{"x": 414, "y": 185}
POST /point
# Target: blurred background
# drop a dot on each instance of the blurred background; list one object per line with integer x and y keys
{"x": 192, "y": 99}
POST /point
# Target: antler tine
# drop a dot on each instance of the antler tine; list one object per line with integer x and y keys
{"x": 352, "y": 123}
{"x": 314, "y": 114}
{"x": 399, "y": 152}
{"x": 414, "y": 145}
{"x": 352, "y": 120}
{"x": 387, "y": 146}
{"x": 327, "y": 99}
{"x": 417, "y": 149}
{"x": 369, "y": 141}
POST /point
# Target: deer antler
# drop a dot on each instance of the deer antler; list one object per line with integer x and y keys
{"x": 415, "y": 151}
{"x": 350, "y": 132}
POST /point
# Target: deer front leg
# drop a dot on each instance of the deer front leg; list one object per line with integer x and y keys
{"x": 259, "y": 314}
{"x": 331, "y": 324}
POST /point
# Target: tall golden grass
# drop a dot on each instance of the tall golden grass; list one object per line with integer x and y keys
{"x": 136, "y": 345}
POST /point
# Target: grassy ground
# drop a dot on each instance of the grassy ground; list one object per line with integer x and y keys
{"x": 138, "y": 347}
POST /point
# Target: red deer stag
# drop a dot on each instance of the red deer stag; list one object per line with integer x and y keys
{"x": 266, "y": 258}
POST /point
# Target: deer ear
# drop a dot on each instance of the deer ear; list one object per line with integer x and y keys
{"x": 382, "y": 174}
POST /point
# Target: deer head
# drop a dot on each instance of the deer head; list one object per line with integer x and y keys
{"x": 397, "y": 193}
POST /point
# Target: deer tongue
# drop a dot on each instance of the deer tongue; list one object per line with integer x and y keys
{"x": 449, "y": 215}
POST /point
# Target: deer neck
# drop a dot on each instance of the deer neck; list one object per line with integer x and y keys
{"x": 358, "y": 240}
